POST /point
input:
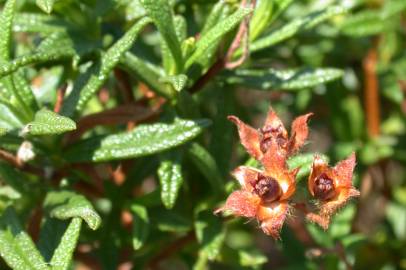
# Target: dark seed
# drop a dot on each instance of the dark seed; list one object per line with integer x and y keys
{"x": 324, "y": 187}
{"x": 267, "y": 188}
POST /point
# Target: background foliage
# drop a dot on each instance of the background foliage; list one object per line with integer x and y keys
{"x": 115, "y": 148}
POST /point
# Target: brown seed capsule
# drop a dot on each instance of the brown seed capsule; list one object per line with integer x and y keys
{"x": 267, "y": 188}
{"x": 324, "y": 187}
{"x": 269, "y": 133}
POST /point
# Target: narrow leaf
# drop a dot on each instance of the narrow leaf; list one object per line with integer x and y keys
{"x": 209, "y": 233}
{"x": 364, "y": 23}
{"x": 46, "y": 5}
{"x": 40, "y": 23}
{"x": 140, "y": 225}
{"x": 170, "y": 178}
{"x": 216, "y": 33}
{"x": 47, "y": 122}
{"x": 96, "y": 76}
{"x": 146, "y": 72}
{"x": 160, "y": 12}
{"x": 35, "y": 58}
{"x": 294, "y": 27}
{"x": 144, "y": 140}
{"x": 6, "y": 22}
{"x": 178, "y": 82}
{"x": 283, "y": 79}
{"x": 66, "y": 205}
{"x": 207, "y": 166}
{"x": 16, "y": 247}
{"x": 63, "y": 254}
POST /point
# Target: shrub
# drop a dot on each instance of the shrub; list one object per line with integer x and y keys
{"x": 115, "y": 147}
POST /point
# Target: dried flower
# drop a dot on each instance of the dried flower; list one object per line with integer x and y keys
{"x": 332, "y": 187}
{"x": 264, "y": 194}
{"x": 257, "y": 142}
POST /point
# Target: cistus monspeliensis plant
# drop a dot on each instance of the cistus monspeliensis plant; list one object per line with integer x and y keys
{"x": 116, "y": 144}
{"x": 264, "y": 195}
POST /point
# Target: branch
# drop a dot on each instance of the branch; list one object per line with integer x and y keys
{"x": 371, "y": 92}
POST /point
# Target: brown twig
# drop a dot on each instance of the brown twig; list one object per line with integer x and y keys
{"x": 171, "y": 249}
{"x": 14, "y": 161}
{"x": 124, "y": 85}
{"x": 371, "y": 92}
{"x": 60, "y": 94}
{"x": 211, "y": 72}
{"x": 116, "y": 116}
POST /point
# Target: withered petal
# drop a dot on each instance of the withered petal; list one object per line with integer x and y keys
{"x": 246, "y": 176}
{"x": 272, "y": 120}
{"x": 249, "y": 137}
{"x": 272, "y": 216}
{"x": 344, "y": 170}
{"x": 299, "y": 132}
{"x": 274, "y": 161}
{"x": 328, "y": 208}
{"x": 322, "y": 221}
{"x": 241, "y": 203}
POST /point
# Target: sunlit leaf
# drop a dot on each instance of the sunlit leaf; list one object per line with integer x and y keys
{"x": 144, "y": 140}
{"x": 296, "y": 26}
{"x": 170, "y": 178}
{"x": 283, "y": 79}
{"x": 160, "y": 12}
{"x": 62, "y": 256}
{"x": 67, "y": 204}
{"x": 216, "y": 33}
{"x": 90, "y": 82}
{"x": 47, "y": 122}
{"x": 45, "y": 5}
{"x": 16, "y": 247}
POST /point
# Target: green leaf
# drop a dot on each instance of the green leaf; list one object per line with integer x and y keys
{"x": 67, "y": 204}
{"x": 364, "y": 23}
{"x": 391, "y": 8}
{"x": 304, "y": 162}
{"x": 62, "y": 257}
{"x": 37, "y": 57}
{"x": 251, "y": 258}
{"x": 289, "y": 79}
{"x": 178, "y": 82}
{"x": 16, "y": 247}
{"x": 296, "y": 26}
{"x": 160, "y": 12}
{"x": 207, "y": 166}
{"x": 216, "y": 33}
{"x": 141, "y": 225}
{"x": 40, "y": 23}
{"x": 209, "y": 233}
{"x": 261, "y": 18}
{"x": 47, "y": 122}
{"x": 142, "y": 141}
{"x": 170, "y": 178}
{"x": 6, "y": 22}
{"x": 145, "y": 72}
{"x": 214, "y": 17}
{"x": 95, "y": 77}
{"x": 3, "y": 131}
{"x": 45, "y": 5}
